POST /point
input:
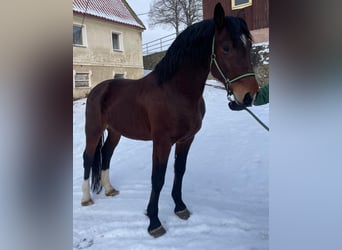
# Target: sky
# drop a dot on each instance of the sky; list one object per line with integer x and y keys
{"x": 150, "y": 34}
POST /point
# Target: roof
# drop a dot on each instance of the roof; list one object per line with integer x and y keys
{"x": 113, "y": 10}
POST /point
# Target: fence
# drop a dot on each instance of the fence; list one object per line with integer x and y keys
{"x": 160, "y": 44}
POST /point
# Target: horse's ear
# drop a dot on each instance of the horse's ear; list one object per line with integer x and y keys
{"x": 219, "y": 16}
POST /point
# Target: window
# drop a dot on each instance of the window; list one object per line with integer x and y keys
{"x": 239, "y": 4}
{"x": 77, "y": 34}
{"x": 82, "y": 80}
{"x": 116, "y": 41}
{"x": 119, "y": 76}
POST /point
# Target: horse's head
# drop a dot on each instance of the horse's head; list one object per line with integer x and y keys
{"x": 230, "y": 57}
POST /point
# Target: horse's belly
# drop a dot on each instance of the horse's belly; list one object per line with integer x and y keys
{"x": 137, "y": 136}
{"x": 131, "y": 123}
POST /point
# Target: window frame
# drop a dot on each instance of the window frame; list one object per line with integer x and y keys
{"x": 83, "y": 33}
{"x": 120, "y": 41}
{"x": 89, "y": 73}
{"x": 240, "y": 6}
{"x": 123, "y": 74}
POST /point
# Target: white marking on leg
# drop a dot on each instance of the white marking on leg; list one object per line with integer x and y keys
{"x": 105, "y": 182}
{"x": 85, "y": 190}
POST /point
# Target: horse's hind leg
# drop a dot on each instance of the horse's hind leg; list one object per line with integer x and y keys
{"x": 94, "y": 128}
{"x": 107, "y": 152}
{"x": 91, "y": 160}
{"x": 181, "y": 153}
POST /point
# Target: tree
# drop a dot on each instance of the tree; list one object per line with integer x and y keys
{"x": 177, "y": 13}
{"x": 191, "y": 10}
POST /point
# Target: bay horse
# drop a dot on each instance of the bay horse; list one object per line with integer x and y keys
{"x": 166, "y": 106}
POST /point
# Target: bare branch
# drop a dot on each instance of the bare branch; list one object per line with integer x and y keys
{"x": 176, "y": 13}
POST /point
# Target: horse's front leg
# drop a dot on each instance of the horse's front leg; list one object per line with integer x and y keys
{"x": 161, "y": 151}
{"x": 181, "y": 154}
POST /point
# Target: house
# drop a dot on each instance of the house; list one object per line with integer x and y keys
{"x": 255, "y": 13}
{"x": 107, "y": 43}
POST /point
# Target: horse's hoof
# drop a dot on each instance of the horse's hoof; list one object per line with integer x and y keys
{"x": 159, "y": 231}
{"x": 87, "y": 203}
{"x": 112, "y": 192}
{"x": 183, "y": 214}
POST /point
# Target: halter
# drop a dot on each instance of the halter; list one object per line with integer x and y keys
{"x": 227, "y": 82}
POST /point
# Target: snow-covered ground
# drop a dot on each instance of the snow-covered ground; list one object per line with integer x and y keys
{"x": 225, "y": 187}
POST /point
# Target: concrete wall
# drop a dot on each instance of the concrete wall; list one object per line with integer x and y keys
{"x": 99, "y": 59}
{"x": 150, "y": 61}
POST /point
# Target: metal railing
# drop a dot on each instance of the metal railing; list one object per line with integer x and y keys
{"x": 160, "y": 44}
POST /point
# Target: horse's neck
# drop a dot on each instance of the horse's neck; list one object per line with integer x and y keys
{"x": 190, "y": 82}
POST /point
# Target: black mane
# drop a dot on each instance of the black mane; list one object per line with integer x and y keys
{"x": 193, "y": 46}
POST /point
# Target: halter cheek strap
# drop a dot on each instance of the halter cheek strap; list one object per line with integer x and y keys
{"x": 227, "y": 82}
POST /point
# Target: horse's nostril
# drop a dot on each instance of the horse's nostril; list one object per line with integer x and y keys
{"x": 247, "y": 100}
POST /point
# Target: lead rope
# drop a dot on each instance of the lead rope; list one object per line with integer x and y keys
{"x": 227, "y": 82}
{"x": 252, "y": 114}
{"x": 256, "y": 118}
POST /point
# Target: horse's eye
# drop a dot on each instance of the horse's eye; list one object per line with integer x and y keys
{"x": 226, "y": 49}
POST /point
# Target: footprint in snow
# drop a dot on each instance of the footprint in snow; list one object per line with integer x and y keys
{"x": 85, "y": 243}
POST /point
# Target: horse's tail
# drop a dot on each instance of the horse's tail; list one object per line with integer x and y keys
{"x": 96, "y": 168}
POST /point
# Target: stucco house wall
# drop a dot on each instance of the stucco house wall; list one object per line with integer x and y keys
{"x": 97, "y": 56}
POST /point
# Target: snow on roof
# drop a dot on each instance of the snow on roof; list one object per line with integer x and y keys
{"x": 114, "y": 10}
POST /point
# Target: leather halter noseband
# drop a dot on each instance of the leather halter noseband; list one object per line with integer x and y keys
{"x": 227, "y": 82}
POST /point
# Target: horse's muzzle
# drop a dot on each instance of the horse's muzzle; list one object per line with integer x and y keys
{"x": 248, "y": 100}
